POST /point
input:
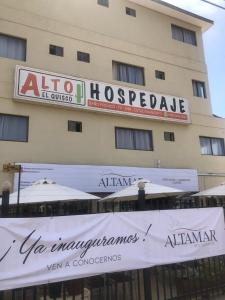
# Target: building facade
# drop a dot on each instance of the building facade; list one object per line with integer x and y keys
{"x": 130, "y": 55}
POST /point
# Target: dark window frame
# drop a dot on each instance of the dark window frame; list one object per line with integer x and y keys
{"x": 81, "y": 56}
{"x": 135, "y": 129}
{"x": 210, "y": 139}
{"x": 169, "y": 136}
{"x": 196, "y": 89}
{"x": 59, "y": 47}
{"x": 183, "y": 30}
{"x": 77, "y": 123}
{"x": 160, "y": 75}
{"x": 114, "y": 62}
{"x": 18, "y": 38}
{"x": 131, "y": 12}
{"x": 27, "y": 131}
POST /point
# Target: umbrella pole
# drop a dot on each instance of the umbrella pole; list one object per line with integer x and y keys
{"x": 141, "y": 205}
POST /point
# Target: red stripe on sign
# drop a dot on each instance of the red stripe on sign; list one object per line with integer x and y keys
{"x": 125, "y": 108}
{"x": 136, "y": 110}
{"x": 177, "y": 116}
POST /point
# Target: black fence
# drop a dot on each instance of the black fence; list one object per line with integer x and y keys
{"x": 200, "y": 279}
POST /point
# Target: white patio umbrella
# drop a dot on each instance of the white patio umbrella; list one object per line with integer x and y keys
{"x": 48, "y": 191}
{"x": 217, "y": 191}
{"x": 152, "y": 191}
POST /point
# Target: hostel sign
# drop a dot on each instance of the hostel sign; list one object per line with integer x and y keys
{"x": 36, "y": 85}
{"x": 51, "y": 88}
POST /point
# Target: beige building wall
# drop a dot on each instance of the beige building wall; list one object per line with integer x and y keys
{"x": 107, "y": 34}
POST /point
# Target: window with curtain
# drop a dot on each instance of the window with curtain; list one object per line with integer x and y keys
{"x": 199, "y": 89}
{"x": 128, "y": 73}
{"x": 212, "y": 146}
{"x": 184, "y": 35}
{"x": 13, "y": 128}
{"x": 133, "y": 139}
{"x": 12, "y": 47}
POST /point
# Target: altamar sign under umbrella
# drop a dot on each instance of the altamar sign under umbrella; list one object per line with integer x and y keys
{"x": 51, "y": 88}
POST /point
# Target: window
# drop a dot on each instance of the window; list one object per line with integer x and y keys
{"x": 82, "y": 56}
{"x": 184, "y": 35}
{"x": 13, "y": 128}
{"x": 160, "y": 75}
{"x": 133, "y": 139}
{"x": 212, "y": 146}
{"x": 55, "y": 50}
{"x": 199, "y": 88}
{"x": 12, "y": 47}
{"x": 74, "y": 126}
{"x": 169, "y": 136}
{"x": 130, "y": 12}
{"x": 103, "y": 2}
{"x": 128, "y": 73}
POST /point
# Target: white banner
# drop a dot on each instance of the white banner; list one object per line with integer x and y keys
{"x": 41, "y": 250}
{"x": 106, "y": 179}
{"x": 59, "y": 89}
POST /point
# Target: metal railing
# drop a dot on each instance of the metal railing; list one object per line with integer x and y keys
{"x": 200, "y": 279}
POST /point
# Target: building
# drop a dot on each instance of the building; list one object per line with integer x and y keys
{"x": 107, "y": 89}
{"x": 127, "y": 56}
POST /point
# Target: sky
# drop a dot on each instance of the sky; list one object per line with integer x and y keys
{"x": 214, "y": 44}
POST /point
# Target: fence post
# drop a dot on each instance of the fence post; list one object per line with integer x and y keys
{"x": 5, "y": 199}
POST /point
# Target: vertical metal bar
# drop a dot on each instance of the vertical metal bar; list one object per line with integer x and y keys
{"x": 189, "y": 289}
{"x": 139, "y": 283}
{"x": 24, "y": 292}
{"x": 105, "y": 287}
{"x": 200, "y": 275}
{"x": 63, "y": 290}
{"x": 18, "y": 193}
{"x": 45, "y": 291}
{"x": 157, "y": 282}
{"x": 34, "y": 293}
{"x": 175, "y": 276}
{"x": 205, "y": 278}
{"x": 5, "y": 203}
{"x": 194, "y": 264}
{"x": 13, "y": 295}
{"x": 131, "y": 284}
{"x": 116, "y": 289}
{"x": 210, "y": 275}
{"x": 220, "y": 275}
{"x": 73, "y": 289}
{"x": 1, "y": 295}
{"x": 216, "y": 280}
{"x": 169, "y": 267}
{"x": 124, "y": 286}
{"x": 182, "y": 277}
{"x": 82, "y": 289}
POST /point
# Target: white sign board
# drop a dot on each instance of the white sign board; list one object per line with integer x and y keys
{"x": 106, "y": 179}
{"x": 51, "y": 88}
{"x": 41, "y": 250}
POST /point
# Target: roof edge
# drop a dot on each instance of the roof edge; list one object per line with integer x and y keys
{"x": 179, "y": 9}
{"x": 170, "y": 9}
